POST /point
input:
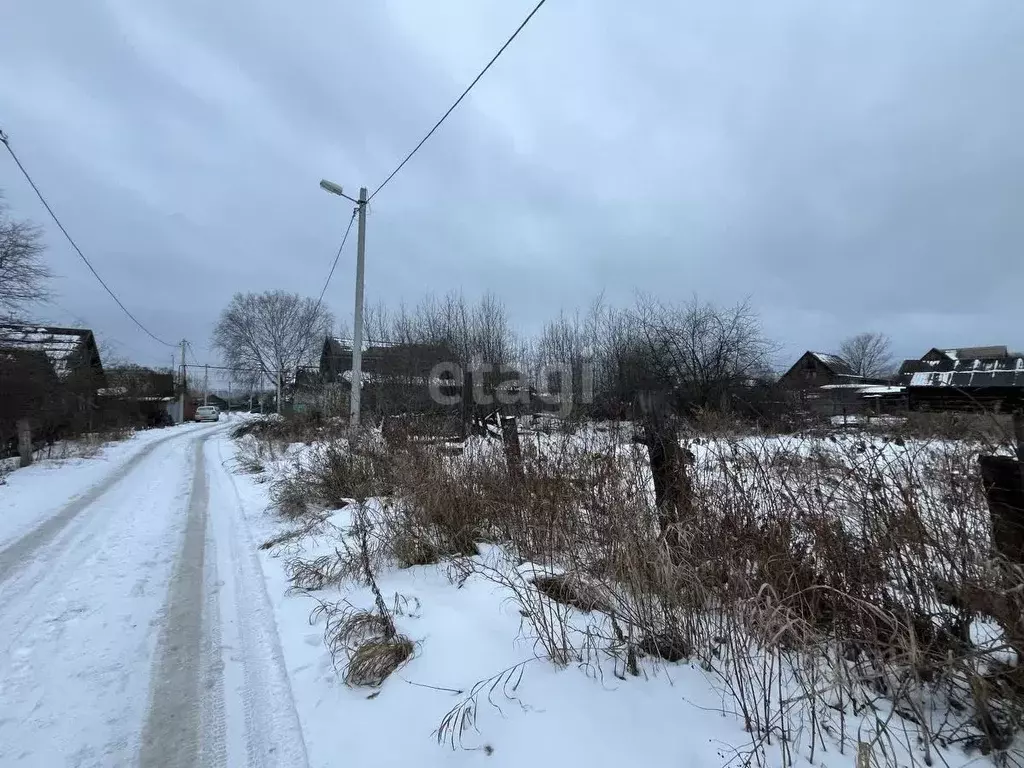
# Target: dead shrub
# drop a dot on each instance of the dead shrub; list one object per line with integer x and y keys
{"x": 291, "y": 495}
{"x": 805, "y": 579}
{"x": 249, "y": 462}
{"x": 315, "y": 574}
{"x": 291, "y": 428}
{"x": 410, "y": 550}
{"x": 670, "y": 647}
{"x": 570, "y": 590}
{"x": 444, "y": 508}
{"x": 338, "y": 475}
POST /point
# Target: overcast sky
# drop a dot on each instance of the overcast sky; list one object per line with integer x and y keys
{"x": 848, "y": 165}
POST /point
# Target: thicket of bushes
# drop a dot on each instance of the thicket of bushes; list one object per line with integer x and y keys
{"x": 838, "y": 587}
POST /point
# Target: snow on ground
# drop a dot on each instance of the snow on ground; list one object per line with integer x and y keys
{"x": 30, "y": 495}
{"x": 465, "y": 636}
{"x": 470, "y": 637}
{"x": 78, "y": 603}
{"x": 137, "y": 627}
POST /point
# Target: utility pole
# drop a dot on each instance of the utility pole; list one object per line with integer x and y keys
{"x": 184, "y": 379}
{"x": 206, "y": 385}
{"x": 357, "y": 335}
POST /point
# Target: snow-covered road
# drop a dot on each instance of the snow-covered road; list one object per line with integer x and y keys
{"x": 134, "y": 620}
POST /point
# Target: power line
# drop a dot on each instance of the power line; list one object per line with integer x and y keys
{"x": 334, "y": 265}
{"x": 229, "y": 368}
{"x": 457, "y": 101}
{"x": 327, "y": 282}
{"x": 25, "y": 173}
{"x": 189, "y": 347}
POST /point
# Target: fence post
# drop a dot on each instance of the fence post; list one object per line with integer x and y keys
{"x": 24, "y": 442}
{"x": 1001, "y": 478}
{"x": 672, "y": 490}
{"x": 510, "y": 441}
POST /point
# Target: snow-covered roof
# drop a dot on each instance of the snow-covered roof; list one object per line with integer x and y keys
{"x": 835, "y": 363}
{"x": 970, "y": 353}
{"x": 58, "y": 344}
{"x": 827, "y": 358}
{"x": 997, "y": 372}
{"x": 875, "y": 391}
{"x": 112, "y": 391}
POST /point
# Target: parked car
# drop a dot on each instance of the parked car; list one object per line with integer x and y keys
{"x": 207, "y": 413}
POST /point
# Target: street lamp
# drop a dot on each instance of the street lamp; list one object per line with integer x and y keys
{"x": 357, "y": 334}
{"x": 334, "y": 189}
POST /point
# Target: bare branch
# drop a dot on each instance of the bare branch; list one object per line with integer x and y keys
{"x": 23, "y": 275}
{"x": 869, "y": 354}
{"x": 269, "y": 332}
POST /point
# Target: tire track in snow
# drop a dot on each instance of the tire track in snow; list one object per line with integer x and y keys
{"x": 219, "y": 693}
{"x": 172, "y": 730}
{"x": 262, "y": 719}
{"x": 81, "y": 618}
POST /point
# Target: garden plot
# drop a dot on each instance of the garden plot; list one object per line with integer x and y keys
{"x": 822, "y": 597}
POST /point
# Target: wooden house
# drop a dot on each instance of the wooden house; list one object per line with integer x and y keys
{"x": 829, "y": 386}
{"x": 395, "y": 377}
{"x": 819, "y": 369}
{"x": 49, "y": 375}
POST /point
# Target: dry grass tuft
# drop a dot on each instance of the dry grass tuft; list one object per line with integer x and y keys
{"x": 359, "y": 626}
{"x": 283, "y": 538}
{"x": 410, "y": 550}
{"x": 291, "y": 496}
{"x": 314, "y": 526}
{"x": 374, "y": 660}
{"x": 337, "y": 475}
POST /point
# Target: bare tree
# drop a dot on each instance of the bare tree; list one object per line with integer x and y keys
{"x": 698, "y": 350}
{"x": 263, "y": 333}
{"x": 571, "y": 345}
{"x": 869, "y": 354}
{"x": 23, "y": 275}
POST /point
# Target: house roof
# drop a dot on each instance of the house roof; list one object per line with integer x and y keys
{"x": 973, "y": 353}
{"x": 58, "y": 344}
{"x": 882, "y": 390}
{"x": 335, "y": 346}
{"x": 915, "y": 365}
{"x": 977, "y": 373}
{"x": 835, "y": 363}
{"x": 389, "y": 358}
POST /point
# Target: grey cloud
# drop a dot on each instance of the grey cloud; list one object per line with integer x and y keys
{"x": 849, "y": 166}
